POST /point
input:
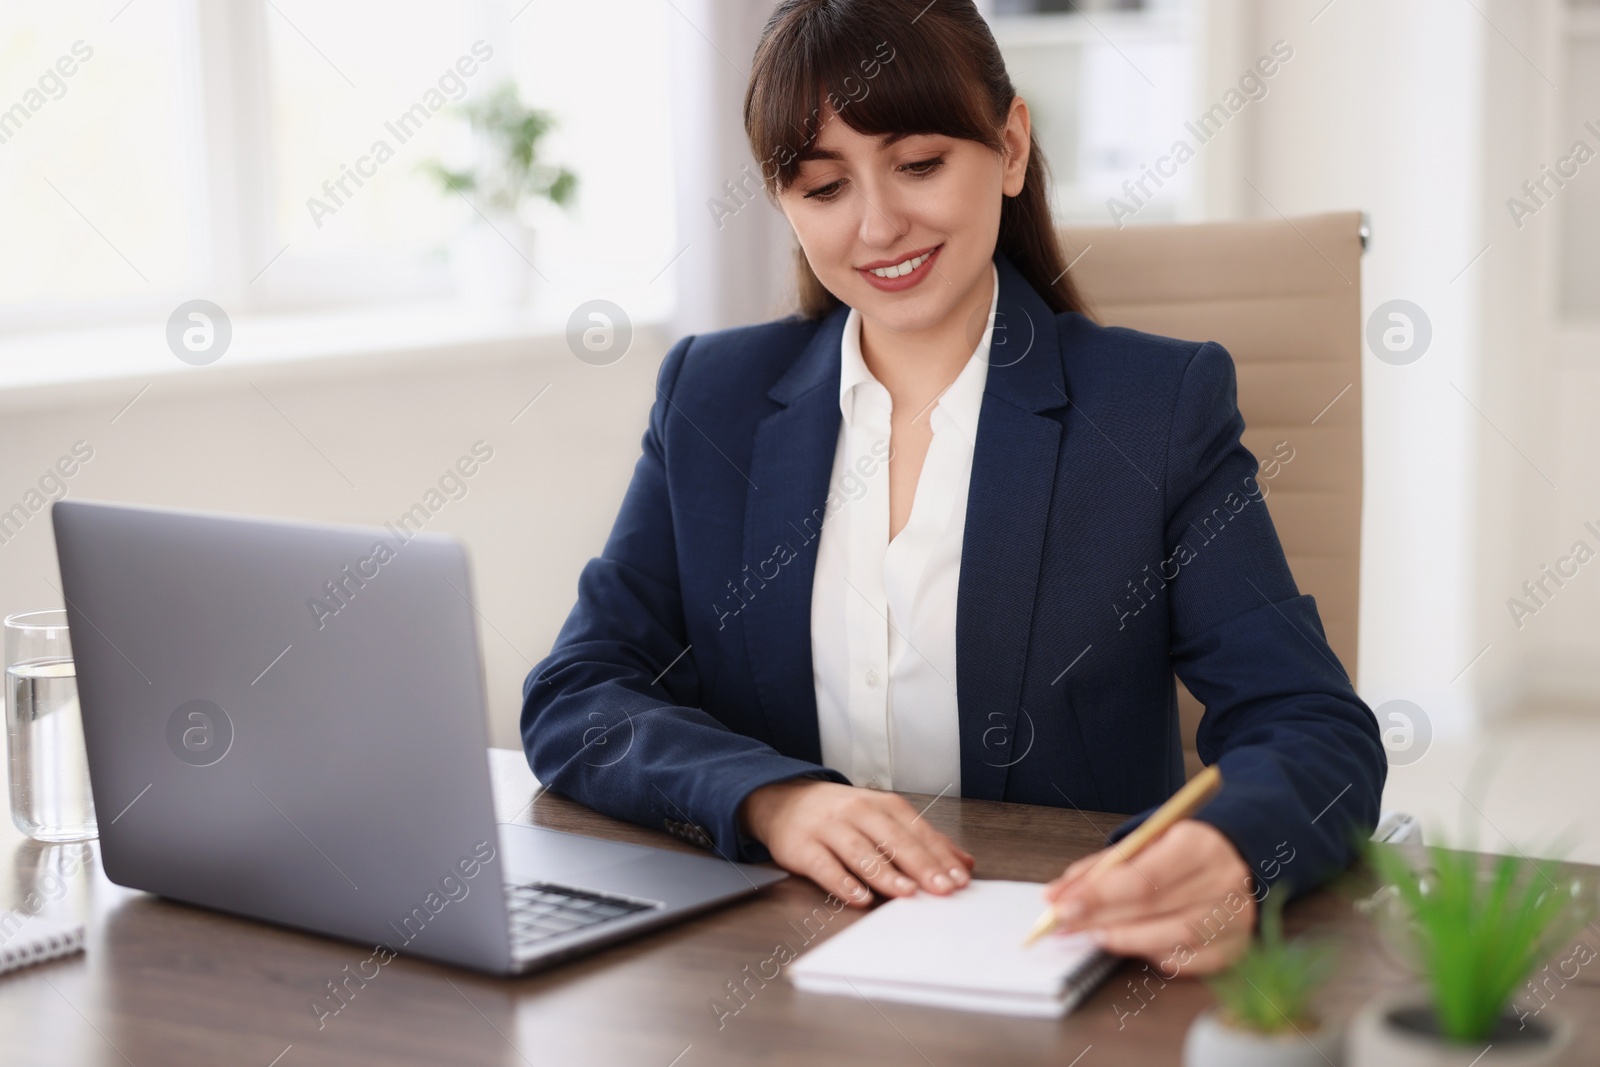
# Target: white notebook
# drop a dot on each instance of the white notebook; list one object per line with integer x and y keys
{"x": 37, "y": 940}
{"x": 961, "y": 951}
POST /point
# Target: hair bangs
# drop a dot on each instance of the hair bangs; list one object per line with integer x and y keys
{"x": 870, "y": 72}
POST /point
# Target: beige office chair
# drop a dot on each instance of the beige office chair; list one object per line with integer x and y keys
{"x": 1284, "y": 297}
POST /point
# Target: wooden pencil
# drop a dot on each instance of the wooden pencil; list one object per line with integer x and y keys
{"x": 1181, "y": 805}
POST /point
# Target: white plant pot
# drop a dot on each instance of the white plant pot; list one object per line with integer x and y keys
{"x": 1395, "y": 1030}
{"x": 491, "y": 262}
{"x": 1213, "y": 1043}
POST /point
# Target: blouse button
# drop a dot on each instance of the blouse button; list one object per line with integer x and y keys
{"x": 872, "y": 679}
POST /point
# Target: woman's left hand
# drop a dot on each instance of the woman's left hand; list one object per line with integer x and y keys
{"x": 1183, "y": 903}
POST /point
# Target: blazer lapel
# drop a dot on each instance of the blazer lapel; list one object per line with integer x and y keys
{"x": 791, "y": 461}
{"x": 1014, "y": 464}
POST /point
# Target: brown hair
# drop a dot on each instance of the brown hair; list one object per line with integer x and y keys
{"x": 895, "y": 66}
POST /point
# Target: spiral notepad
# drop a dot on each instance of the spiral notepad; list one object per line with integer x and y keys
{"x": 38, "y": 940}
{"x": 960, "y": 951}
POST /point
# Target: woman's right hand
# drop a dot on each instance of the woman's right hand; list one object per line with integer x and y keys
{"x": 842, "y": 836}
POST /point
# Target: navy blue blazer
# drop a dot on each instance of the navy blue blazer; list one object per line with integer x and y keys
{"x": 1115, "y": 532}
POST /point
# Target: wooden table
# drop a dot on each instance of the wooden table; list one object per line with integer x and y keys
{"x": 164, "y": 985}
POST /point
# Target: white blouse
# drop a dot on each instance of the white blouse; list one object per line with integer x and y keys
{"x": 883, "y": 613}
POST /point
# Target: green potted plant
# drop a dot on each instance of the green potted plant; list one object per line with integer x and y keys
{"x": 492, "y": 258}
{"x": 1264, "y": 1014}
{"x": 1476, "y": 935}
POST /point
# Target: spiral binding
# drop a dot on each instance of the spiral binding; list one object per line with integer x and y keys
{"x": 51, "y": 943}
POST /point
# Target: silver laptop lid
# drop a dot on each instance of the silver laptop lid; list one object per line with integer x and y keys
{"x": 287, "y": 721}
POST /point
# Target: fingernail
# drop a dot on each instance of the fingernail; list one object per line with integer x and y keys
{"x": 904, "y": 884}
{"x": 942, "y": 882}
{"x": 1070, "y": 912}
{"x": 960, "y": 876}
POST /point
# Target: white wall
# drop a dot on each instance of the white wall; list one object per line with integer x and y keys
{"x": 391, "y": 422}
{"x": 1545, "y": 377}
{"x": 1480, "y": 456}
{"x": 1380, "y": 111}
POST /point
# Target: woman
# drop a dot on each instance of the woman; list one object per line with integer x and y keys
{"x": 940, "y": 532}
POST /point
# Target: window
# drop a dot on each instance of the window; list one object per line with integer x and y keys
{"x": 356, "y": 104}
{"x": 97, "y": 160}
{"x": 213, "y": 148}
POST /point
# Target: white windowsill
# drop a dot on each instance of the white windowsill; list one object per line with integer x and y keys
{"x": 39, "y": 369}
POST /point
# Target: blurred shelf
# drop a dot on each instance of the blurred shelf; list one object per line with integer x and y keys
{"x": 1112, "y": 28}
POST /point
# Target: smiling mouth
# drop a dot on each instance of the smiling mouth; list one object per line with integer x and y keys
{"x": 902, "y": 268}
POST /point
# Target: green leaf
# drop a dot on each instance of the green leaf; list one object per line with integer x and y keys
{"x": 1270, "y": 988}
{"x": 1479, "y": 934}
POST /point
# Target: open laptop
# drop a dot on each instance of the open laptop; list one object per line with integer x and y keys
{"x": 287, "y": 721}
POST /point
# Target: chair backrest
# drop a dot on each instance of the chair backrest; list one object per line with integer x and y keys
{"x": 1284, "y": 297}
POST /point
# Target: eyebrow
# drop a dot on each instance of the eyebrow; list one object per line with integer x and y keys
{"x": 886, "y": 141}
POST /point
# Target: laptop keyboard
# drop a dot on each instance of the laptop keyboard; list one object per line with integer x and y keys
{"x": 540, "y": 910}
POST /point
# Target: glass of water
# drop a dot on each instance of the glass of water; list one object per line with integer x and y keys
{"x": 50, "y": 798}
